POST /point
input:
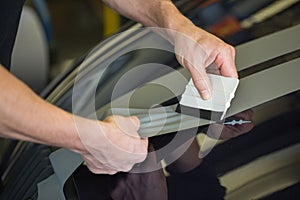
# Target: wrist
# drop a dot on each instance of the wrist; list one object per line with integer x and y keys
{"x": 77, "y": 125}
{"x": 178, "y": 24}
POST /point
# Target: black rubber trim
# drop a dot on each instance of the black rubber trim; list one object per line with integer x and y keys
{"x": 269, "y": 63}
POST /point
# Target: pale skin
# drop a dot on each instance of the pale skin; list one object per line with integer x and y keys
{"x": 27, "y": 117}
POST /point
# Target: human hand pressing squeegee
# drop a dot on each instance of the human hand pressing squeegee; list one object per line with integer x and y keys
{"x": 196, "y": 50}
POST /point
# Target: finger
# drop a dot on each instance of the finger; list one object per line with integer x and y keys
{"x": 141, "y": 151}
{"x": 130, "y": 126}
{"x": 127, "y": 125}
{"x": 111, "y": 172}
{"x": 109, "y": 119}
{"x": 102, "y": 171}
{"x": 226, "y": 62}
{"x": 228, "y": 69}
{"x": 95, "y": 168}
{"x": 201, "y": 82}
{"x": 145, "y": 142}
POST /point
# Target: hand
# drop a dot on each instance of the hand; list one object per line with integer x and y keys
{"x": 231, "y": 131}
{"x": 196, "y": 50}
{"x": 112, "y": 145}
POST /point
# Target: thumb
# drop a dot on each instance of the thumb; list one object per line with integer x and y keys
{"x": 202, "y": 83}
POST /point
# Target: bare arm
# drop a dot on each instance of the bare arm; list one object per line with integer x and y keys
{"x": 25, "y": 116}
{"x": 154, "y": 13}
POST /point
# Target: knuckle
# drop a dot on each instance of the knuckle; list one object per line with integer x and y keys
{"x": 141, "y": 157}
{"x": 94, "y": 170}
{"x": 111, "y": 172}
{"x": 141, "y": 149}
{"x": 231, "y": 49}
{"x": 109, "y": 118}
{"x": 127, "y": 168}
{"x": 198, "y": 81}
{"x": 144, "y": 151}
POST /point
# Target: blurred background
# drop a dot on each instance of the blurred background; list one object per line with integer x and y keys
{"x": 73, "y": 27}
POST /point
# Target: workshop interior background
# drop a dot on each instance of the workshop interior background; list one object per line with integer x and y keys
{"x": 79, "y": 25}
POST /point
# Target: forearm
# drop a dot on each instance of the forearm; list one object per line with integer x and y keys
{"x": 25, "y": 116}
{"x": 105, "y": 146}
{"x": 152, "y": 13}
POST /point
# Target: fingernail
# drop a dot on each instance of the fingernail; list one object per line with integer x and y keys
{"x": 205, "y": 94}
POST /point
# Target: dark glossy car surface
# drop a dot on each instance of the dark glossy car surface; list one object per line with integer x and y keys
{"x": 263, "y": 164}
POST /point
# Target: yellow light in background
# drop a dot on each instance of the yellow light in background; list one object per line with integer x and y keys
{"x": 111, "y": 21}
